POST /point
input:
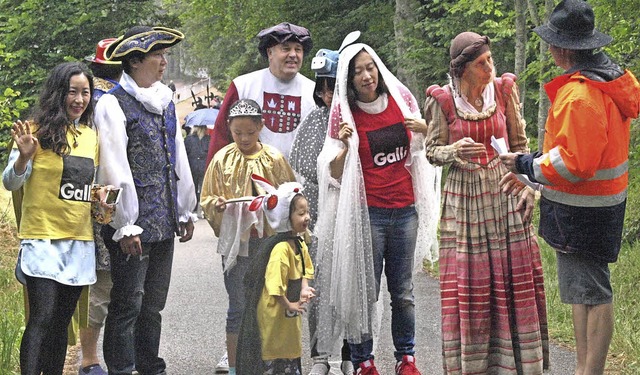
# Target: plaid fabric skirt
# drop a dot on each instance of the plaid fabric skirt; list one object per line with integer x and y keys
{"x": 494, "y": 317}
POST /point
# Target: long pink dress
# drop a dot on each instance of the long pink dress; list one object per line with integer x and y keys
{"x": 492, "y": 292}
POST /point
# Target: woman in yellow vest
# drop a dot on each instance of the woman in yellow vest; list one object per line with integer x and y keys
{"x": 54, "y": 159}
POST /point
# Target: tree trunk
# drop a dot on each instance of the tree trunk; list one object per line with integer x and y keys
{"x": 521, "y": 47}
{"x": 406, "y": 17}
{"x": 544, "y": 103}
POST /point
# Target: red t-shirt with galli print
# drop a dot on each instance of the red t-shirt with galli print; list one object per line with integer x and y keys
{"x": 384, "y": 148}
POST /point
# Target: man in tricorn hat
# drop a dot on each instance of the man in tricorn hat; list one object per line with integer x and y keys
{"x": 584, "y": 169}
{"x": 142, "y": 151}
{"x": 285, "y": 95}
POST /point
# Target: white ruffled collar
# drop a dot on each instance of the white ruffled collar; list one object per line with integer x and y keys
{"x": 488, "y": 100}
{"x": 155, "y": 98}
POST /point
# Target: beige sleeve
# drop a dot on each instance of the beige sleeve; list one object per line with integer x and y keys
{"x": 439, "y": 151}
{"x": 518, "y": 141}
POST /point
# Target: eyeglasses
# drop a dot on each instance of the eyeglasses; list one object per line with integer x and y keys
{"x": 322, "y": 93}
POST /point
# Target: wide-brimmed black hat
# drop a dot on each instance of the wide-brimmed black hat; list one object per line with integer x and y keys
{"x": 571, "y": 26}
{"x": 142, "y": 39}
{"x": 284, "y": 32}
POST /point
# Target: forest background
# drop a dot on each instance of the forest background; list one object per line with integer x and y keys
{"x": 411, "y": 36}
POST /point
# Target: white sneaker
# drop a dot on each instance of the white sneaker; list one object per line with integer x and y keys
{"x": 346, "y": 367}
{"x": 223, "y": 365}
{"x": 320, "y": 368}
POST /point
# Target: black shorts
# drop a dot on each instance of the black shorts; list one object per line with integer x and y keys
{"x": 583, "y": 279}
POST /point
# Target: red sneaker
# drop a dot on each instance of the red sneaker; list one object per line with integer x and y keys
{"x": 407, "y": 366}
{"x": 367, "y": 368}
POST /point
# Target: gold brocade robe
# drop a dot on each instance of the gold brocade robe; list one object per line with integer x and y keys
{"x": 229, "y": 176}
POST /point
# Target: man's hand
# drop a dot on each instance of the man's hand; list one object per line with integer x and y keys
{"x": 527, "y": 200}
{"x": 186, "y": 231}
{"x": 131, "y": 245}
{"x": 509, "y": 161}
{"x": 512, "y": 186}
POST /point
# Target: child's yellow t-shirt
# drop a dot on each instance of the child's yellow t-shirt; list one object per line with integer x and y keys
{"x": 281, "y": 333}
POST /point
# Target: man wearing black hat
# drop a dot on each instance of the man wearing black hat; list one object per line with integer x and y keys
{"x": 142, "y": 151}
{"x": 285, "y": 95}
{"x": 584, "y": 169}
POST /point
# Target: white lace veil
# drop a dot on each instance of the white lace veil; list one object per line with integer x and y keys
{"x": 345, "y": 278}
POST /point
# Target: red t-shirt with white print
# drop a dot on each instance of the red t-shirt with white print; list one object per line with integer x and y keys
{"x": 383, "y": 150}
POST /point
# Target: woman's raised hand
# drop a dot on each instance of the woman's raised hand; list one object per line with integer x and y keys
{"x": 345, "y": 133}
{"x": 26, "y": 142}
{"x": 416, "y": 125}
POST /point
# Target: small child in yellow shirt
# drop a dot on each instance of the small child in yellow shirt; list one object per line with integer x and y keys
{"x": 276, "y": 286}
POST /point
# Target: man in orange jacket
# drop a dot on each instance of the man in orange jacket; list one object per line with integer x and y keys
{"x": 584, "y": 170}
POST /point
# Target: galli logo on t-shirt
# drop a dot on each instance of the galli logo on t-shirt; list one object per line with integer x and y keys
{"x": 77, "y": 178}
{"x": 388, "y": 145}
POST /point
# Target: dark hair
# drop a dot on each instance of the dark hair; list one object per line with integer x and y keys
{"x": 51, "y": 113}
{"x": 320, "y": 82}
{"x": 131, "y": 57}
{"x": 583, "y": 55}
{"x": 106, "y": 71}
{"x": 295, "y": 200}
{"x": 352, "y": 94}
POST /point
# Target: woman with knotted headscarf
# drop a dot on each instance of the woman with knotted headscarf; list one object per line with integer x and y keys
{"x": 378, "y": 199}
{"x": 492, "y": 294}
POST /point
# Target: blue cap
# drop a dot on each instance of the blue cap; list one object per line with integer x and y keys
{"x": 325, "y": 63}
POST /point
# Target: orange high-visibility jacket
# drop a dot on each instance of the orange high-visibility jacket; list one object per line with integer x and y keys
{"x": 586, "y": 144}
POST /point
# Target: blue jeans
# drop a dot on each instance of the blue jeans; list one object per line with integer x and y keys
{"x": 133, "y": 325}
{"x": 393, "y": 234}
{"x": 234, "y": 284}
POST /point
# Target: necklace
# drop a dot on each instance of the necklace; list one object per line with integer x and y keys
{"x": 478, "y": 102}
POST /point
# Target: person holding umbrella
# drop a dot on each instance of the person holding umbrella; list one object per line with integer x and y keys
{"x": 197, "y": 145}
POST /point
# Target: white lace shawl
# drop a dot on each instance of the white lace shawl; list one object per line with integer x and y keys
{"x": 345, "y": 278}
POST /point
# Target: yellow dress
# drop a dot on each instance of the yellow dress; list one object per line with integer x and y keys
{"x": 281, "y": 331}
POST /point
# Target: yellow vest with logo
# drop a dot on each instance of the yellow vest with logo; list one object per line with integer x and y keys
{"x": 57, "y": 195}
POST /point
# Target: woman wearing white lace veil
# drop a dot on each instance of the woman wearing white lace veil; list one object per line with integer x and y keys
{"x": 364, "y": 196}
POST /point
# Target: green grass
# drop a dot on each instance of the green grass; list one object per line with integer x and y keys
{"x": 624, "y": 352}
{"x": 11, "y": 300}
{"x": 625, "y": 345}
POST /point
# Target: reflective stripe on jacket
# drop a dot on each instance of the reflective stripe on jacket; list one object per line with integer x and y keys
{"x": 586, "y": 146}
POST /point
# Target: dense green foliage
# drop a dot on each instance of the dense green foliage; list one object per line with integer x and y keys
{"x": 411, "y": 36}
{"x": 39, "y": 34}
{"x": 222, "y": 34}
